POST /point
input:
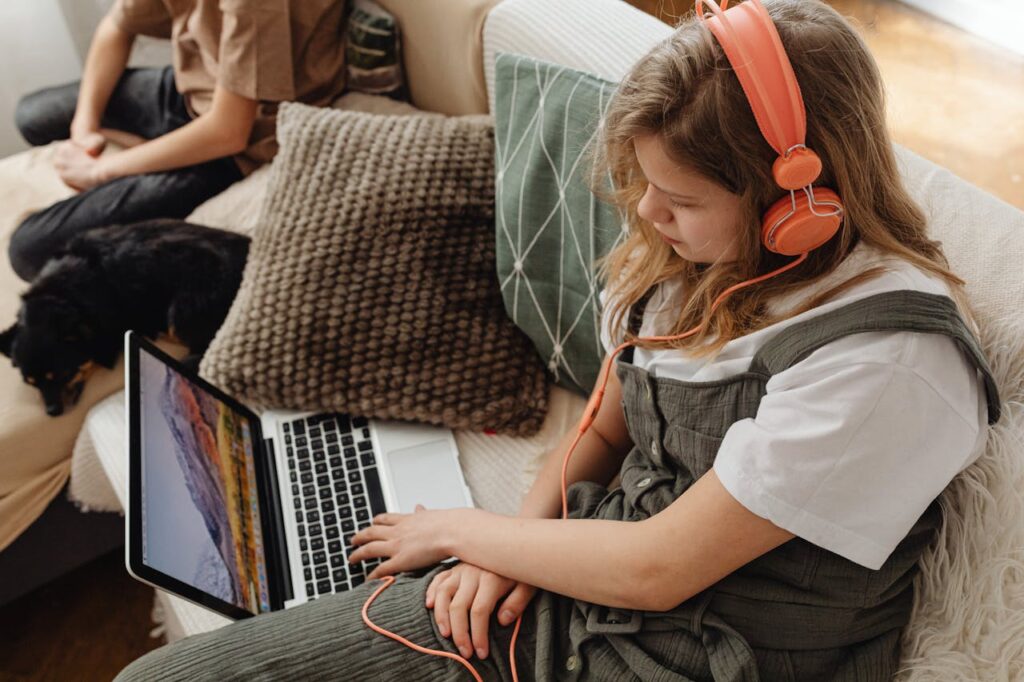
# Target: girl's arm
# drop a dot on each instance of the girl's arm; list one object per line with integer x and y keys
{"x": 598, "y": 456}
{"x": 653, "y": 565}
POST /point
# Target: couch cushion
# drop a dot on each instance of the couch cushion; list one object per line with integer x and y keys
{"x": 35, "y": 448}
{"x": 601, "y": 37}
{"x": 442, "y": 43}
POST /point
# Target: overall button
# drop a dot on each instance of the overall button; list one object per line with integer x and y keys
{"x": 654, "y": 448}
{"x": 571, "y": 662}
{"x": 643, "y": 482}
{"x": 647, "y": 389}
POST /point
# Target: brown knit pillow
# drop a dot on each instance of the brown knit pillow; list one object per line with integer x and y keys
{"x": 371, "y": 286}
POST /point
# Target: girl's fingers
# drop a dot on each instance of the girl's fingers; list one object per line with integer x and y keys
{"x": 515, "y": 603}
{"x": 386, "y": 568}
{"x": 370, "y": 533}
{"x": 371, "y": 550}
{"x": 480, "y": 611}
{"x": 442, "y": 604}
{"x": 434, "y": 584}
{"x": 458, "y": 612}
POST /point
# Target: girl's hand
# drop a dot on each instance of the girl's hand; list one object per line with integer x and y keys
{"x": 411, "y": 541}
{"x": 463, "y": 599}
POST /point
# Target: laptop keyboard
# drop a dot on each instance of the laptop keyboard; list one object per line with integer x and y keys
{"x": 336, "y": 489}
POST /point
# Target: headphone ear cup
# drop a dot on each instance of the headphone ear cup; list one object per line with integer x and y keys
{"x": 803, "y": 230}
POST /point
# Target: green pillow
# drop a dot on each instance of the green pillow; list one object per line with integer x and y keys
{"x": 550, "y": 227}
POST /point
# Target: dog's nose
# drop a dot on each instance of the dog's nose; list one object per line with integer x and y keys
{"x": 54, "y": 409}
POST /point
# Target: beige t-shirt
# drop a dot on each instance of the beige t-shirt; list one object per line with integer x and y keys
{"x": 267, "y": 50}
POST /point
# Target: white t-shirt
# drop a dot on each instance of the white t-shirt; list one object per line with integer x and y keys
{"x": 851, "y": 444}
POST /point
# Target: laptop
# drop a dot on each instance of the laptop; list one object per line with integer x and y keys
{"x": 244, "y": 513}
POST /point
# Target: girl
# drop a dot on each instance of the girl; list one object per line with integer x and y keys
{"x": 779, "y": 465}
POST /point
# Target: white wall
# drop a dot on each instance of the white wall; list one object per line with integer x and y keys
{"x": 43, "y": 43}
{"x": 36, "y": 50}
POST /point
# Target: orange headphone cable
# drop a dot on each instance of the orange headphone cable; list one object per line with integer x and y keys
{"x": 588, "y": 417}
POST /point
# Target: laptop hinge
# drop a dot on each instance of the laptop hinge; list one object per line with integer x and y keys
{"x": 282, "y": 571}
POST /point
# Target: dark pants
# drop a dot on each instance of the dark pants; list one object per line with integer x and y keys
{"x": 146, "y": 103}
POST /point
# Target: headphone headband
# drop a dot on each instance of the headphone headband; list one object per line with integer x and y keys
{"x": 753, "y": 47}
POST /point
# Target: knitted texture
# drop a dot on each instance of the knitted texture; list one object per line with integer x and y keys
{"x": 371, "y": 288}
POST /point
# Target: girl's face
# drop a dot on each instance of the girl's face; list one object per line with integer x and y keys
{"x": 698, "y": 218}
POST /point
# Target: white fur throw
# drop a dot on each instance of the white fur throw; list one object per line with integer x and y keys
{"x": 968, "y": 619}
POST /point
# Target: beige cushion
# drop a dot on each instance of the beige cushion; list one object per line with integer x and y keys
{"x": 442, "y": 48}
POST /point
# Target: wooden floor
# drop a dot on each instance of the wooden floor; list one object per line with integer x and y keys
{"x": 953, "y": 99}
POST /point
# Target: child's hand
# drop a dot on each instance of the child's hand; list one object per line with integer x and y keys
{"x": 407, "y": 541}
{"x": 464, "y": 597}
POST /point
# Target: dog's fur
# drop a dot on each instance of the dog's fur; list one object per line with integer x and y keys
{"x": 153, "y": 277}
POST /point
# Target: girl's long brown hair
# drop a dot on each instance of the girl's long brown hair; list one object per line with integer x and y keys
{"x": 685, "y": 92}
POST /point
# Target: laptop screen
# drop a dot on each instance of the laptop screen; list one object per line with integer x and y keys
{"x": 199, "y": 501}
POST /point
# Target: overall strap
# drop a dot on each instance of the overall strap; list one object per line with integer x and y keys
{"x": 901, "y": 310}
{"x": 633, "y": 321}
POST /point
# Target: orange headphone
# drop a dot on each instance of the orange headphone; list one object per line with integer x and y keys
{"x": 793, "y": 226}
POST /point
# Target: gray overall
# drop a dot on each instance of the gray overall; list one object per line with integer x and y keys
{"x": 798, "y": 612}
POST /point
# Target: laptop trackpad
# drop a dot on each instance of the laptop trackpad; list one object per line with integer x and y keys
{"x": 426, "y": 474}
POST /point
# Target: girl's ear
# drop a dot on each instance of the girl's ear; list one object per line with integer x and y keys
{"x": 7, "y": 339}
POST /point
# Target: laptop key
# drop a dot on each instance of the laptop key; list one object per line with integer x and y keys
{"x": 302, "y": 453}
{"x": 323, "y": 480}
{"x": 350, "y": 452}
{"x": 367, "y": 459}
{"x": 340, "y": 486}
{"x": 300, "y": 442}
{"x": 323, "y": 587}
{"x": 331, "y": 437}
{"x": 302, "y": 530}
{"x": 337, "y": 560}
{"x": 347, "y": 440}
{"x": 309, "y": 590}
{"x": 327, "y": 505}
{"x": 308, "y": 490}
{"x": 320, "y": 468}
{"x": 298, "y": 516}
{"x": 308, "y": 574}
{"x": 374, "y": 491}
{"x": 362, "y": 515}
{"x": 330, "y": 519}
{"x": 345, "y": 512}
{"x": 324, "y": 493}
{"x": 334, "y": 546}
{"x": 319, "y": 557}
{"x": 312, "y": 516}
{"x": 365, "y": 445}
{"x": 353, "y": 477}
{"x": 303, "y": 545}
{"x": 359, "y": 422}
{"x": 322, "y": 572}
{"x": 342, "y": 499}
{"x": 332, "y": 532}
{"x": 348, "y": 525}
{"x": 359, "y": 502}
{"x": 340, "y": 575}
{"x": 305, "y": 560}
{"x": 347, "y": 539}
{"x": 310, "y": 503}
{"x": 319, "y": 456}
{"x": 315, "y": 529}
{"x": 298, "y": 502}
{"x": 293, "y": 476}
{"x": 357, "y": 580}
{"x": 335, "y": 463}
{"x": 315, "y": 543}
{"x": 333, "y": 450}
{"x": 307, "y": 477}
{"x": 299, "y": 428}
{"x": 357, "y": 489}
{"x": 305, "y": 465}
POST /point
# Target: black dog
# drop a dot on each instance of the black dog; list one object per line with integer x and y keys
{"x": 151, "y": 277}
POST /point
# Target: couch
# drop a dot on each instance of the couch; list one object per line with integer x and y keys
{"x": 449, "y": 50}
